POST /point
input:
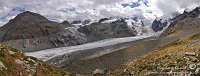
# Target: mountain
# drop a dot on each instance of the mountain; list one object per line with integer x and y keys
{"x": 170, "y": 49}
{"x": 14, "y": 63}
{"x": 184, "y": 24}
{"x": 31, "y": 32}
{"x": 159, "y": 24}
{"x": 100, "y": 31}
{"x": 181, "y": 37}
{"x": 183, "y": 50}
{"x": 76, "y": 22}
{"x": 86, "y": 22}
{"x": 113, "y": 28}
{"x": 179, "y": 34}
{"x": 174, "y": 55}
{"x": 67, "y": 23}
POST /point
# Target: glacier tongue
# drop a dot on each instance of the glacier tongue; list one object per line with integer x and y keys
{"x": 142, "y": 26}
{"x": 51, "y": 53}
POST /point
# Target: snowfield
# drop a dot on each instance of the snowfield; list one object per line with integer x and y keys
{"x": 51, "y": 53}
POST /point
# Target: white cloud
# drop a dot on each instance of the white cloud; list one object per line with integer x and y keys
{"x": 168, "y": 6}
{"x": 60, "y": 10}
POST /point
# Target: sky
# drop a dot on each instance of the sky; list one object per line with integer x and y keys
{"x": 60, "y": 10}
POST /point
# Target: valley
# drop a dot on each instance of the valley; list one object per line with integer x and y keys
{"x": 111, "y": 46}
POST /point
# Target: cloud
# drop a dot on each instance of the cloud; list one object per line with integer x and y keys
{"x": 168, "y": 6}
{"x": 60, "y": 10}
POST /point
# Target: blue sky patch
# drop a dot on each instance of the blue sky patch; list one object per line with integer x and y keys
{"x": 135, "y": 4}
{"x": 12, "y": 12}
{"x": 20, "y": 9}
{"x": 145, "y": 2}
{"x": 132, "y": 5}
{"x": 67, "y": 10}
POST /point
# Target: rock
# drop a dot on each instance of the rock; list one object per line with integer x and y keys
{"x": 30, "y": 75}
{"x": 103, "y": 19}
{"x": 86, "y": 22}
{"x": 197, "y": 70}
{"x": 2, "y": 66}
{"x": 67, "y": 23}
{"x": 31, "y": 60}
{"x": 190, "y": 54}
{"x": 158, "y": 25}
{"x": 76, "y": 22}
{"x": 11, "y": 52}
{"x": 19, "y": 61}
{"x": 127, "y": 72}
{"x": 98, "y": 72}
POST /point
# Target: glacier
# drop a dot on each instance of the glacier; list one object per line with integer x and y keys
{"x": 54, "y": 52}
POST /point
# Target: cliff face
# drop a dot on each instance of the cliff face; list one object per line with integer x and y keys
{"x": 15, "y": 63}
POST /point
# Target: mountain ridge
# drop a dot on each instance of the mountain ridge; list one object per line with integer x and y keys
{"x": 183, "y": 31}
{"x": 30, "y": 31}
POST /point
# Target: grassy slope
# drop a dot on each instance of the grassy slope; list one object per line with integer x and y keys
{"x": 19, "y": 65}
{"x": 168, "y": 56}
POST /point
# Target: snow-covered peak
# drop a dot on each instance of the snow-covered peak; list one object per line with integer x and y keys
{"x": 141, "y": 26}
{"x": 136, "y": 24}
{"x": 188, "y": 10}
{"x": 161, "y": 24}
{"x": 168, "y": 17}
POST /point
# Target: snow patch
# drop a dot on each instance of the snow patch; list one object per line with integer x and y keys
{"x": 109, "y": 21}
{"x": 137, "y": 25}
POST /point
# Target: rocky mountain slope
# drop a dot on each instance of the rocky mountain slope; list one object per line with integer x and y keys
{"x": 184, "y": 24}
{"x": 100, "y": 31}
{"x": 126, "y": 58}
{"x": 172, "y": 59}
{"x": 114, "y": 28}
{"x": 146, "y": 55}
{"x": 175, "y": 58}
{"x": 31, "y": 32}
{"x": 14, "y": 63}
